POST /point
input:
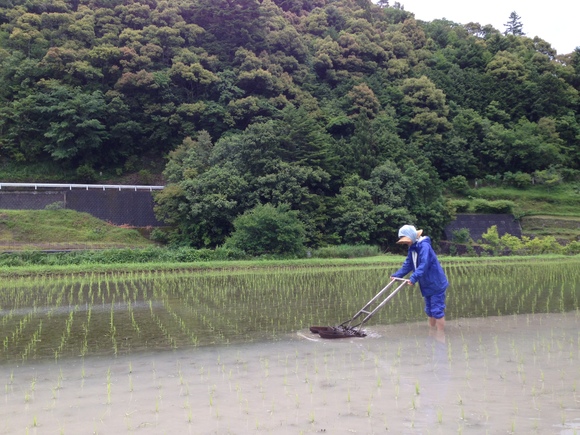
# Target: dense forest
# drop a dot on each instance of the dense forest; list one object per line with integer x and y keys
{"x": 346, "y": 115}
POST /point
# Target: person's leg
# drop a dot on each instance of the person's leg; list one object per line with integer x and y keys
{"x": 430, "y": 317}
{"x": 437, "y": 311}
{"x": 440, "y": 323}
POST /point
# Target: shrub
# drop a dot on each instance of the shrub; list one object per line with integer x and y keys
{"x": 502, "y": 206}
{"x": 513, "y": 244}
{"x": 461, "y": 236}
{"x": 480, "y": 205}
{"x": 572, "y": 248}
{"x": 492, "y": 180}
{"x": 86, "y": 174}
{"x": 266, "y": 229}
{"x": 457, "y": 184}
{"x": 508, "y": 244}
{"x": 58, "y": 205}
{"x": 543, "y": 245}
{"x": 569, "y": 175}
{"x": 459, "y": 205}
{"x": 159, "y": 235}
{"x": 549, "y": 177}
{"x": 491, "y": 240}
{"x": 519, "y": 179}
{"x": 144, "y": 176}
{"x": 131, "y": 163}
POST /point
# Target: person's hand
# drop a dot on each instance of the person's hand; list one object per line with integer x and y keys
{"x": 409, "y": 282}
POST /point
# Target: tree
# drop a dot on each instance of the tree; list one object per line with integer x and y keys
{"x": 302, "y": 188}
{"x": 370, "y": 211}
{"x": 536, "y": 145}
{"x": 387, "y": 185}
{"x": 353, "y": 218}
{"x": 575, "y": 63}
{"x": 231, "y": 24}
{"x": 514, "y": 26}
{"x": 189, "y": 159}
{"x": 372, "y": 142}
{"x": 75, "y": 117}
{"x": 425, "y": 117}
{"x": 266, "y": 229}
{"x": 363, "y": 101}
{"x": 303, "y": 140}
{"x": 427, "y": 106}
{"x": 192, "y": 78}
{"x": 212, "y": 202}
{"x": 424, "y": 196}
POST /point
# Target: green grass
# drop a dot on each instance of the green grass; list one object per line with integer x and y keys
{"x": 60, "y": 229}
{"x": 561, "y": 200}
{"x": 561, "y": 227}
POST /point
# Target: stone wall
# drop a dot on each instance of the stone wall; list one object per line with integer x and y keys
{"x": 478, "y": 224}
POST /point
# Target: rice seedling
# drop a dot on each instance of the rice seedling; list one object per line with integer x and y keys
{"x": 111, "y": 313}
{"x": 109, "y": 386}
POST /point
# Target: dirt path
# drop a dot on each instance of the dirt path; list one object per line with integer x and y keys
{"x": 513, "y": 374}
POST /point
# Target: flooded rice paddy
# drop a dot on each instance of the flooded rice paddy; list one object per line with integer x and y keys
{"x": 224, "y": 352}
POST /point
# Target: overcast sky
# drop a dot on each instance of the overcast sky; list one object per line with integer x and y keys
{"x": 555, "y": 21}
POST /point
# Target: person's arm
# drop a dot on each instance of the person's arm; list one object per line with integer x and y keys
{"x": 423, "y": 261}
{"x": 405, "y": 268}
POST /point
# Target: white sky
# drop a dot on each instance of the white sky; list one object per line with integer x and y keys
{"x": 555, "y": 21}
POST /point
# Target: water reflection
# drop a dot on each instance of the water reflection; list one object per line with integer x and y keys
{"x": 434, "y": 379}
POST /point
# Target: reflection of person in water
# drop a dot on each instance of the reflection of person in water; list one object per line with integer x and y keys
{"x": 435, "y": 379}
{"x": 427, "y": 271}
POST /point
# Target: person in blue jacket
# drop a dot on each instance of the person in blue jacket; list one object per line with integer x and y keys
{"x": 427, "y": 271}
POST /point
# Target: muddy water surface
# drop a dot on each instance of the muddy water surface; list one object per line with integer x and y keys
{"x": 493, "y": 375}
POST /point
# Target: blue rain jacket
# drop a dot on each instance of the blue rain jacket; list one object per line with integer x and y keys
{"x": 427, "y": 271}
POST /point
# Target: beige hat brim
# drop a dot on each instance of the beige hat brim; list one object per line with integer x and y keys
{"x": 419, "y": 232}
{"x": 404, "y": 239}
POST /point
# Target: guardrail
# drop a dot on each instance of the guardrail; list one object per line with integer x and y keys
{"x": 36, "y": 186}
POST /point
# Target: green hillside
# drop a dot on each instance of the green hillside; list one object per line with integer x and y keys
{"x": 355, "y": 115}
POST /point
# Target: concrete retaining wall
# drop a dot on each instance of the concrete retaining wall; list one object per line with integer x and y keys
{"x": 478, "y": 224}
{"x": 119, "y": 207}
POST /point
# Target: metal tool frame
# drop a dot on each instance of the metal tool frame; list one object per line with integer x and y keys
{"x": 369, "y": 311}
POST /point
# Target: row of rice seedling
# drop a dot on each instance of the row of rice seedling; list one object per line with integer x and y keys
{"x": 113, "y": 313}
{"x": 483, "y": 378}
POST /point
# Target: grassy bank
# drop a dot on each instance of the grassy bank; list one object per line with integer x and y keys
{"x": 63, "y": 230}
{"x": 542, "y": 210}
{"x": 560, "y": 200}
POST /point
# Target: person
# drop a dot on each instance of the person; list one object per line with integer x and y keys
{"x": 427, "y": 271}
